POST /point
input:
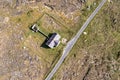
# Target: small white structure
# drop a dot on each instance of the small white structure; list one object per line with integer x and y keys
{"x": 35, "y": 28}
{"x": 64, "y": 41}
{"x": 54, "y": 40}
{"x": 85, "y": 33}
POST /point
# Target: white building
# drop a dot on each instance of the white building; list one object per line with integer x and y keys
{"x": 54, "y": 40}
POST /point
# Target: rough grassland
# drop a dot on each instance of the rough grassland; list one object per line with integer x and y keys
{"x": 96, "y": 56}
{"x": 23, "y": 58}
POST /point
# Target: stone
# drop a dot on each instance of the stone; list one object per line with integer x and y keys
{"x": 6, "y": 19}
{"x": 64, "y": 41}
{"x": 85, "y": 33}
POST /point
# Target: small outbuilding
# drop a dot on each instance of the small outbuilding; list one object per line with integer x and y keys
{"x": 35, "y": 28}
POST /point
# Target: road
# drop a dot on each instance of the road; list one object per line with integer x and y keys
{"x": 72, "y": 42}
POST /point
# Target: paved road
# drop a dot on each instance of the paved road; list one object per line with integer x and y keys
{"x": 71, "y": 43}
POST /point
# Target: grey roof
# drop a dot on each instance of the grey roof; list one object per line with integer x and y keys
{"x": 53, "y": 40}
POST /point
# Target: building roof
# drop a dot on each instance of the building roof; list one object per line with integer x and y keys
{"x": 54, "y": 40}
{"x": 35, "y": 28}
